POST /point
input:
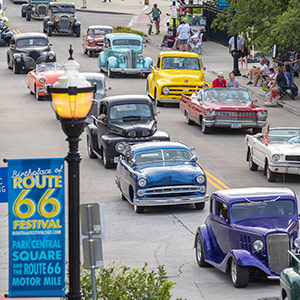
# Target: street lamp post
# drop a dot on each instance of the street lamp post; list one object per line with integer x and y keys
{"x": 72, "y": 99}
{"x": 236, "y": 55}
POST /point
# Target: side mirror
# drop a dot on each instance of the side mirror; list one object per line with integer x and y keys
{"x": 194, "y": 158}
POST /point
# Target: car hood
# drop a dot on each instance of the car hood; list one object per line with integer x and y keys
{"x": 181, "y": 76}
{"x": 242, "y": 106}
{"x": 51, "y": 73}
{"x": 169, "y": 173}
{"x": 30, "y": 50}
{"x": 267, "y": 224}
{"x": 123, "y": 128}
{"x": 98, "y": 38}
{"x": 285, "y": 148}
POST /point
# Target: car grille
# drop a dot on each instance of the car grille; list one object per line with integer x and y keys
{"x": 99, "y": 43}
{"x": 172, "y": 190}
{"x": 64, "y": 23}
{"x": 277, "y": 249}
{"x": 245, "y": 242}
{"x": 292, "y": 157}
{"x": 236, "y": 116}
{"x": 34, "y": 54}
{"x": 42, "y": 10}
{"x": 177, "y": 91}
{"x": 131, "y": 59}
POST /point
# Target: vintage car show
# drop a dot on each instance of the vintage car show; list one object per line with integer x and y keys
{"x": 150, "y": 150}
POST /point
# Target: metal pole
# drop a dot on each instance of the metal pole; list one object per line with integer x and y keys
{"x": 174, "y": 22}
{"x": 235, "y": 55}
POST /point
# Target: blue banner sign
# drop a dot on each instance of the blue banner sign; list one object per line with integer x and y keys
{"x": 36, "y": 227}
{"x": 222, "y": 4}
{"x": 3, "y": 185}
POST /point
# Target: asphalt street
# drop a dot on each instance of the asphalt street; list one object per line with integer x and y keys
{"x": 28, "y": 128}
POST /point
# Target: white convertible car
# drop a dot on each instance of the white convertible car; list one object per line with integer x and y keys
{"x": 279, "y": 153}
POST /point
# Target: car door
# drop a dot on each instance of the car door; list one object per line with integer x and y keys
{"x": 102, "y": 124}
{"x": 156, "y": 70}
{"x": 195, "y": 109}
{"x": 85, "y": 39}
{"x": 258, "y": 151}
{"x": 31, "y": 81}
{"x": 125, "y": 174}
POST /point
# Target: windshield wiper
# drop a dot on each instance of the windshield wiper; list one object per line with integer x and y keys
{"x": 131, "y": 118}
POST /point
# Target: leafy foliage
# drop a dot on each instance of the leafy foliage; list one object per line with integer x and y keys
{"x": 269, "y": 22}
{"x": 128, "y": 30}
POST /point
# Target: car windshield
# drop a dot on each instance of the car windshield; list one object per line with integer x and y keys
{"x": 101, "y": 31}
{"x": 226, "y": 95}
{"x": 162, "y": 155}
{"x": 31, "y": 42}
{"x": 47, "y": 67}
{"x": 63, "y": 9}
{"x": 284, "y": 135}
{"x": 283, "y": 207}
{"x": 99, "y": 83}
{"x": 186, "y": 63}
{"x": 126, "y": 42}
{"x": 130, "y": 112}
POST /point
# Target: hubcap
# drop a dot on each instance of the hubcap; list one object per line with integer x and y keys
{"x": 186, "y": 117}
{"x": 104, "y": 158}
{"x": 135, "y": 207}
{"x": 202, "y": 125}
{"x": 89, "y": 146}
{"x": 198, "y": 250}
{"x": 233, "y": 271}
{"x": 250, "y": 161}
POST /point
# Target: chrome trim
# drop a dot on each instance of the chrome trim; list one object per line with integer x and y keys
{"x": 172, "y": 189}
{"x": 169, "y": 100}
{"x": 130, "y": 70}
{"x": 285, "y": 165}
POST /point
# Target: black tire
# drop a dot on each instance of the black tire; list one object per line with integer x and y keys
{"x": 199, "y": 253}
{"x": 16, "y": 69}
{"x": 252, "y": 165}
{"x": 91, "y": 154}
{"x": 200, "y": 206}
{"x": 23, "y": 13}
{"x": 256, "y": 130}
{"x": 49, "y": 31}
{"x": 110, "y": 74}
{"x": 28, "y": 15}
{"x": 204, "y": 128}
{"x": 187, "y": 119}
{"x": 89, "y": 53}
{"x": 44, "y": 29}
{"x": 77, "y": 31}
{"x": 283, "y": 294}
{"x": 138, "y": 209}
{"x": 271, "y": 176}
{"x": 37, "y": 97}
{"x": 106, "y": 162}
{"x": 123, "y": 197}
{"x": 239, "y": 275}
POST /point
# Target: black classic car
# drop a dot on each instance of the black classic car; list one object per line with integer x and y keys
{"x": 61, "y": 19}
{"x": 123, "y": 120}
{"x": 36, "y": 9}
{"x": 28, "y": 49}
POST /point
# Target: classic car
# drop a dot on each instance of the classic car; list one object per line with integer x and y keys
{"x": 223, "y": 107}
{"x": 41, "y": 77}
{"x": 3, "y": 18}
{"x": 174, "y": 74}
{"x": 93, "y": 40}
{"x": 123, "y": 53}
{"x": 5, "y": 35}
{"x": 36, "y": 9}
{"x": 277, "y": 151}
{"x": 290, "y": 279}
{"x": 249, "y": 232}
{"x": 61, "y": 19}
{"x": 160, "y": 173}
{"x": 28, "y": 49}
{"x": 122, "y": 119}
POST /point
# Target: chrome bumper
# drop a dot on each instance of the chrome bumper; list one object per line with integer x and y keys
{"x": 169, "y": 100}
{"x": 130, "y": 71}
{"x": 287, "y": 168}
{"x": 94, "y": 48}
{"x": 244, "y": 124}
{"x": 157, "y": 201}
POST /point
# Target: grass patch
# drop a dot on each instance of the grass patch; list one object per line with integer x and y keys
{"x": 128, "y": 30}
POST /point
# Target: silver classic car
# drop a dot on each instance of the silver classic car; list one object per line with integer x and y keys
{"x": 276, "y": 151}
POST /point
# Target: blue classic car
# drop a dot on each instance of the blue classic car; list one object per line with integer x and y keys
{"x": 123, "y": 53}
{"x": 249, "y": 231}
{"x": 161, "y": 173}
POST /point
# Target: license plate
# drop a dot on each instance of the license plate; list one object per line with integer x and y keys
{"x": 236, "y": 125}
{"x": 116, "y": 159}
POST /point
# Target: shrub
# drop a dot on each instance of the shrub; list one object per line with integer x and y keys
{"x": 128, "y": 30}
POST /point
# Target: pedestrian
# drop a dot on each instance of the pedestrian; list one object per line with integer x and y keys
{"x": 103, "y": 0}
{"x": 257, "y": 73}
{"x": 296, "y": 64}
{"x": 84, "y": 4}
{"x": 240, "y": 45}
{"x": 232, "y": 83}
{"x": 183, "y": 32}
{"x": 219, "y": 82}
{"x": 156, "y": 12}
{"x": 245, "y": 52}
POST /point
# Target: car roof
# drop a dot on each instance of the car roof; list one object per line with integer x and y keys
{"x": 100, "y": 26}
{"x": 30, "y": 35}
{"x": 178, "y": 53}
{"x": 150, "y": 146}
{"x": 61, "y": 4}
{"x": 255, "y": 193}
{"x": 127, "y": 99}
{"x": 93, "y": 75}
{"x": 122, "y": 35}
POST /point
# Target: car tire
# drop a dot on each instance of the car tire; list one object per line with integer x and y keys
{"x": 200, "y": 206}
{"x": 123, "y": 197}
{"x": 252, "y": 165}
{"x": 16, "y": 69}
{"x": 89, "y": 53}
{"x": 49, "y": 31}
{"x": 271, "y": 176}
{"x": 138, "y": 209}
{"x": 23, "y": 13}
{"x": 256, "y": 130}
{"x": 106, "y": 162}
{"x": 28, "y": 15}
{"x": 158, "y": 103}
{"x": 110, "y": 74}
{"x": 199, "y": 253}
{"x": 91, "y": 154}
{"x": 204, "y": 128}
{"x": 187, "y": 119}
{"x": 37, "y": 97}
{"x": 239, "y": 275}
{"x": 77, "y": 31}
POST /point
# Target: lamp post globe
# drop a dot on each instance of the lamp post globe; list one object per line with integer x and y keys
{"x": 72, "y": 99}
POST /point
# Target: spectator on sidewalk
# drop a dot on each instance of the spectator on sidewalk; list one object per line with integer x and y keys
{"x": 168, "y": 36}
{"x": 156, "y": 12}
{"x": 183, "y": 32}
{"x": 219, "y": 82}
{"x": 257, "y": 73}
{"x": 245, "y": 52}
{"x": 232, "y": 83}
{"x": 296, "y": 64}
{"x": 269, "y": 81}
{"x": 83, "y": 4}
{"x": 240, "y": 45}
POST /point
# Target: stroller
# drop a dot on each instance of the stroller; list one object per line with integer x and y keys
{"x": 195, "y": 42}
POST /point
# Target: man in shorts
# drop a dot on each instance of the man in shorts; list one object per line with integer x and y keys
{"x": 183, "y": 32}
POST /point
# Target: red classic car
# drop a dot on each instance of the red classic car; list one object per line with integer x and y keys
{"x": 223, "y": 107}
{"x": 43, "y": 75}
{"x": 93, "y": 39}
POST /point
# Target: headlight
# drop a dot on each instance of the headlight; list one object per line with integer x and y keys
{"x": 132, "y": 133}
{"x": 51, "y": 57}
{"x": 210, "y": 113}
{"x": 262, "y": 114}
{"x": 140, "y": 193}
{"x": 121, "y": 56}
{"x": 275, "y": 157}
{"x": 142, "y": 182}
{"x": 145, "y": 132}
{"x": 202, "y": 189}
{"x": 18, "y": 59}
{"x": 120, "y": 147}
{"x": 42, "y": 79}
{"x": 297, "y": 242}
{"x": 166, "y": 91}
{"x": 258, "y": 245}
{"x": 56, "y": 19}
{"x": 33, "y": 9}
{"x": 200, "y": 179}
{"x": 91, "y": 40}
{"x": 140, "y": 56}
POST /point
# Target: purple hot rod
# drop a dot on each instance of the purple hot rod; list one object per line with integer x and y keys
{"x": 249, "y": 231}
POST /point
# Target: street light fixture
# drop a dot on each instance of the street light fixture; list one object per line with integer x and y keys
{"x": 72, "y": 99}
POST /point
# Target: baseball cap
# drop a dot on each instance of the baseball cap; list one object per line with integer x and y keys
{"x": 221, "y": 74}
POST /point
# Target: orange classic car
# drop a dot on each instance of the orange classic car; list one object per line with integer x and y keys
{"x": 43, "y": 75}
{"x": 94, "y": 37}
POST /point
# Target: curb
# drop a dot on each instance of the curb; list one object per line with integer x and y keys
{"x": 102, "y": 12}
{"x": 287, "y": 106}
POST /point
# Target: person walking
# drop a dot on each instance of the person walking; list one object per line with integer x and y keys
{"x": 156, "y": 12}
{"x": 240, "y": 45}
{"x": 183, "y": 31}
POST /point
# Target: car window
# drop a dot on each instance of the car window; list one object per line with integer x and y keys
{"x": 174, "y": 62}
{"x": 123, "y": 111}
{"x": 263, "y": 208}
{"x": 221, "y": 210}
{"x": 282, "y": 135}
{"x": 103, "y": 109}
{"x": 102, "y": 31}
{"x": 98, "y": 83}
{"x": 158, "y": 62}
{"x": 226, "y": 95}
{"x": 212, "y": 205}
{"x": 62, "y": 9}
{"x": 33, "y": 42}
{"x": 126, "y": 42}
